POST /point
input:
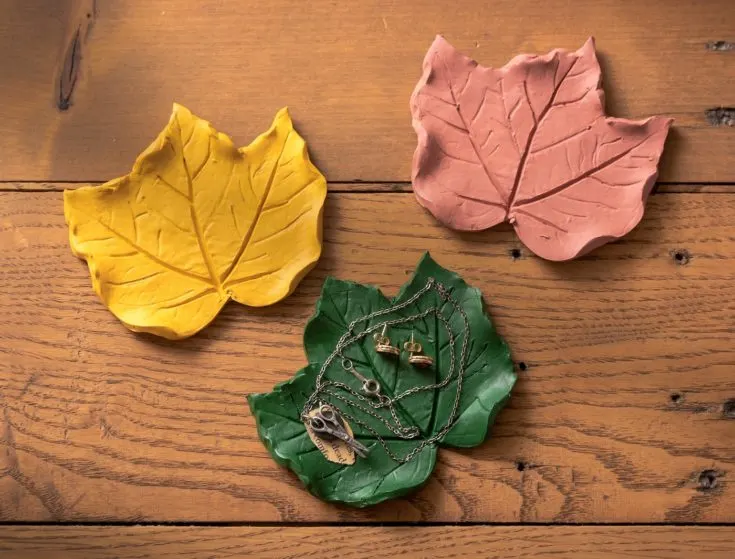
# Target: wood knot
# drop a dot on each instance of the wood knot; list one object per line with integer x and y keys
{"x": 515, "y": 254}
{"x": 675, "y": 398}
{"x": 728, "y": 408}
{"x": 708, "y": 480}
{"x": 522, "y": 366}
{"x": 521, "y": 465}
{"x": 720, "y": 46}
{"x": 681, "y": 256}
{"x": 720, "y": 116}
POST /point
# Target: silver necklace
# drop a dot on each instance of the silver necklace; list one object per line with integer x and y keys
{"x": 371, "y": 399}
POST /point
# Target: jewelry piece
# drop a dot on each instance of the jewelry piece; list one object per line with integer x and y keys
{"x": 370, "y": 386}
{"x": 354, "y": 400}
{"x": 383, "y": 345}
{"x": 328, "y": 422}
{"x": 417, "y": 356}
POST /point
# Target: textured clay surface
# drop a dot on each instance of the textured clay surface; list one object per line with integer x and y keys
{"x": 198, "y": 222}
{"x": 530, "y": 144}
{"x": 487, "y": 380}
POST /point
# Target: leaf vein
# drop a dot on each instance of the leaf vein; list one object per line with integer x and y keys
{"x": 565, "y": 139}
{"x": 480, "y": 201}
{"x": 445, "y": 121}
{"x": 291, "y": 197}
{"x": 251, "y": 277}
{"x": 469, "y": 133}
{"x": 167, "y": 184}
{"x": 534, "y": 129}
{"x": 583, "y": 176}
{"x": 195, "y": 218}
{"x": 258, "y": 213}
{"x": 191, "y": 299}
{"x": 134, "y": 281}
{"x": 542, "y": 220}
{"x": 450, "y": 156}
{"x": 139, "y": 249}
{"x": 284, "y": 228}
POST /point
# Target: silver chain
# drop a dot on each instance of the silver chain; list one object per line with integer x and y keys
{"x": 370, "y": 408}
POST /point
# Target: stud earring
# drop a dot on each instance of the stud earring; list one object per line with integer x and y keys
{"x": 383, "y": 345}
{"x": 417, "y": 357}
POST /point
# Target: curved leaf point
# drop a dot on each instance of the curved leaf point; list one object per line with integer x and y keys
{"x": 529, "y": 143}
{"x": 198, "y": 222}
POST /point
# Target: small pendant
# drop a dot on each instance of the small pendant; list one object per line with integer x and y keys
{"x": 333, "y": 449}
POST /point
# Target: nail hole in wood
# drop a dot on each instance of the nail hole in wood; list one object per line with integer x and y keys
{"x": 681, "y": 256}
{"x": 520, "y": 466}
{"x": 708, "y": 480}
{"x": 515, "y": 253}
{"x": 522, "y": 366}
{"x": 728, "y": 408}
{"x": 675, "y": 397}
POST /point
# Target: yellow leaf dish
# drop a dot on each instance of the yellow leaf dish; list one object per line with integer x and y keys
{"x": 198, "y": 222}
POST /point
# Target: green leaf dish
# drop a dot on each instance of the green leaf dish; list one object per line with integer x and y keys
{"x": 487, "y": 381}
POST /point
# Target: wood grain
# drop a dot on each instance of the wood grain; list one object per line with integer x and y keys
{"x": 588, "y": 542}
{"x": 346, "y": 69}
{"x": 624, "y": 411}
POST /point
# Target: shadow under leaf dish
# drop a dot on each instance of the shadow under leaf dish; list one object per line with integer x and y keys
{"x": 458, "y": 414}
{"x": 530, "y": 144}
{"x": 198, "y": 222}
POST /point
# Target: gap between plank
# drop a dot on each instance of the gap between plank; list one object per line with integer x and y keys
{"x": 354, "y": 524}
{"x": 369, "y": 187}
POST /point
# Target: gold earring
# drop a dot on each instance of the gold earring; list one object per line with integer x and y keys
{"x": 417, "y": 356}
{"x": 383, "y": 345}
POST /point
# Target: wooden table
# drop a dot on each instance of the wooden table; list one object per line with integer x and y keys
{"x": 620, "y": 436}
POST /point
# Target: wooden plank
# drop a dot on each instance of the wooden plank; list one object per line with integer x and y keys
{"x": 624, "y": 412}
{"x": 588, "y": 542}
{"x": 345, "y": 68}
